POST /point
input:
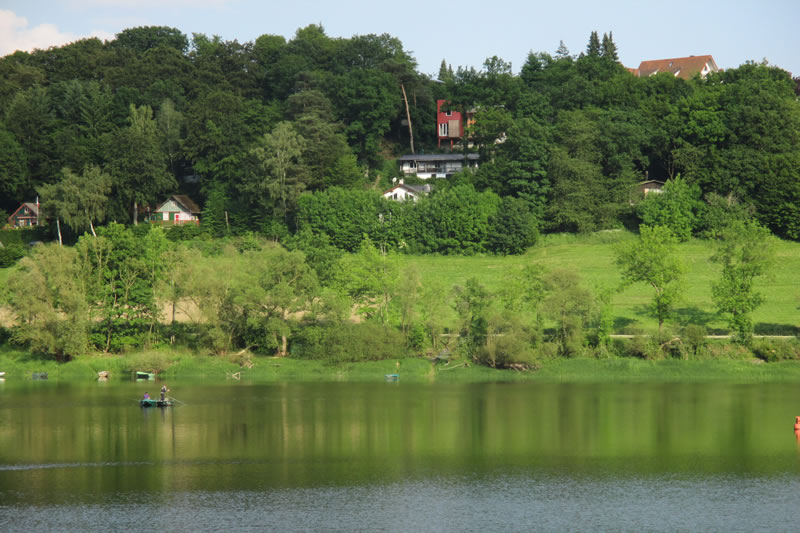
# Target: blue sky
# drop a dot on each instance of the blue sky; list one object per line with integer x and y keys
{"x": 464, "y": 34}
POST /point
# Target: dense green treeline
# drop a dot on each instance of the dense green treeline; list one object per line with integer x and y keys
{"x": 250, "y": 129}
{"x": 286, "y": 145}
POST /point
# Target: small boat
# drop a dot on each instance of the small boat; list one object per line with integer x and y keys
{"x": 2, "y": 374}
{"x": 103, "y": 374}
{"x": 153, "y": 402}
{"x": 145, "y": 376}
{"x": 392, "y": 377}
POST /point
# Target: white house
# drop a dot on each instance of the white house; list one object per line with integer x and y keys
{"x": 401, "y": 192}
{"x": 177, "y": 209}
{"x": 426, "y": 166}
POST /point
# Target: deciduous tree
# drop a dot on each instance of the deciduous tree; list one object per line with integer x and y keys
{"x": 745, "y": 253}
{"x": 651, "y": 259}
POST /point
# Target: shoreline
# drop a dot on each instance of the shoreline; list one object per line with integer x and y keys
{"x": 183, "y": 366}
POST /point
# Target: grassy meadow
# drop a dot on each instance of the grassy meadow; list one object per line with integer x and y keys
{"x": 593, "y": 257}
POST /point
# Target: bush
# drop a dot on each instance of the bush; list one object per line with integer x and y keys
{"x": 771, "y": 350}
{"x": 148, "y": 361}
{"x": 512, "y": 347}
{"x": 347, "y": 342}
{"x": 184, "y": 232}
{"x": 512, "y": 229}
{"x": 10, "y": 254}
{"x": 694, "y": 339}
{"x": 416, "y": 336}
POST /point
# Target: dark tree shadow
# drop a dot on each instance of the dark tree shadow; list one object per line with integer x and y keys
{"x": 763, "y": 328}
{"x": 693, "y": 316}
{"x": 620, "y": 323}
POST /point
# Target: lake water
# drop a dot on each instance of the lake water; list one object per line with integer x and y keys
{"x": 400, "y": 457}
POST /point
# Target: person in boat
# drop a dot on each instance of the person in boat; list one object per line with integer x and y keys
{"x": 164, "y": 391}
{"x": 146, "y": 395}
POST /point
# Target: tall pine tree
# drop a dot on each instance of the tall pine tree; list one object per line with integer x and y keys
{"x": 608, "y": 48}
{"x": 593, "y": 48}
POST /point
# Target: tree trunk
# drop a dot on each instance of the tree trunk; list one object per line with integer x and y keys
{"x": 284, "y": 345}
{"x": 172, "y": 325}
{"x": 58, "y": 226}
{"x": 408, "y": 116}
{"x": 135, "y": 213}
{"x": 92, "y": 228}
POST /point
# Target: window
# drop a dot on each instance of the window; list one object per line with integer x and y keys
{"x": 449, "y": 113}
{"x": 443, "y": 129}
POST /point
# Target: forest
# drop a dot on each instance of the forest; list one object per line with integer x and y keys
{"x": 287, "y": 144}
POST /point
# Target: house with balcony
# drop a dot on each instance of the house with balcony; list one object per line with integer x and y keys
{"x": 450, "y": 123}
{"x": 427, "y": 166}
{"x": 26, "y": 215}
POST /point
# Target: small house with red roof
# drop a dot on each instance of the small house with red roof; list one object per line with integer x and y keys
{"x": 680, "y": 67}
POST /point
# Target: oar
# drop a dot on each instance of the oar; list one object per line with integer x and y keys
{"x": 177, "y": 400}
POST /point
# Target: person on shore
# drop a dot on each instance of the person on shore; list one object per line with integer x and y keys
{"x": 164, "y": 391}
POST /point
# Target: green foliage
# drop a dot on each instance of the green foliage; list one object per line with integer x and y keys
{"x": 454, "y": 220}
{"x": 371, "y": 279}
{"x": 676, "y": 208}
{"x": 80, "y": 201}
{"x": 513, "y": 229}
{"x": 651, "y": 259}
{"x": 344, "y": 216}
{"x": 574, "y": 309}
{"x": 282, "y": 177}
{"x": 49, "y": 299}
{"x": 720, "y": 212}
{"x": 772, "y": 351}
{"x": 13, "y": 168}
{"x": 348, "y": 342}
{"x": 745, "y": 252}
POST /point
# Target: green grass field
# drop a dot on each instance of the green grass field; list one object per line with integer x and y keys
{"x": 593, "y": 257}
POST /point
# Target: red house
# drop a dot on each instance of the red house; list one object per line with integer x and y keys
{"x": 450, "y": 124}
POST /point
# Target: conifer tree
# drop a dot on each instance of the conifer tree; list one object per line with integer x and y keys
{"x": 608, "y": 48}
{"x": 562, "y": 51}
{"x": 593, "y": 48}
{"x": 443, "y": 71}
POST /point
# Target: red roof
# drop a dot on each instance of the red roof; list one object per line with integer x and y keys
{"x": 680, "y": 67}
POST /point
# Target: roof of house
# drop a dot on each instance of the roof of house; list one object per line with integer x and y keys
{"x": 418, "y": 189}
{"x": 185, "y": 202}
{"x": 680, "y": 67}
{"x": 437, "y": 157}
{"x": 30, "y": 205}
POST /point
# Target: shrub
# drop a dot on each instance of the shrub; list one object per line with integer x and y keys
{"x": 416, "y": 336}
{"x": 694, "y": 339}
{"x": 772, "y": 350}
{"x": 347, "y": 342}
{"x": 10, "y": 254}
